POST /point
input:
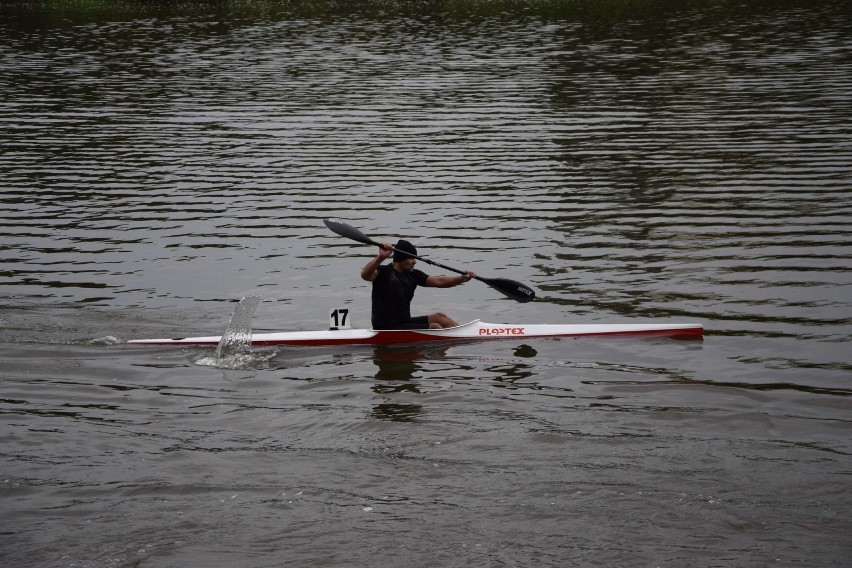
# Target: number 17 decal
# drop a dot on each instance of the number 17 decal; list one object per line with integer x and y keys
{"x": 339, "y": 318}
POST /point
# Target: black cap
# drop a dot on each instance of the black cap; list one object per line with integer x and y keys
{"x": 404, "y": 250}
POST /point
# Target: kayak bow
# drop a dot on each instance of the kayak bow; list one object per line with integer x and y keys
{"x": 471, "y": 331}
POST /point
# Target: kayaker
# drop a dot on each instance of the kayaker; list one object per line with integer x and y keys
{"x": 394, "y": 285}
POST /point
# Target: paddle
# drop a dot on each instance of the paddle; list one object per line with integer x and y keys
{"x": 515, "y": 290}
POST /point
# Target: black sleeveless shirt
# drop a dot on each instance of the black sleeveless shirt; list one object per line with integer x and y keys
{"x": 392, "y": 294}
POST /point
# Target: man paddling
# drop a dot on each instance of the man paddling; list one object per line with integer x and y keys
{"x": 394, "y": 285}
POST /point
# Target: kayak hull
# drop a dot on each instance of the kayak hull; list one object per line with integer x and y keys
{"x": 471, "y": 331}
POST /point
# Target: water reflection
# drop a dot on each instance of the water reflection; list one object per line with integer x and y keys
{"x": 525, "y": 351}
{"x": 397, "y": 364}
{"x": 396, "y": 373}
{"x": 397, "y": 412}
{"x": 402, "y": 370}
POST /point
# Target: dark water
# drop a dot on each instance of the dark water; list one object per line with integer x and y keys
{"x": 632, "y": 161}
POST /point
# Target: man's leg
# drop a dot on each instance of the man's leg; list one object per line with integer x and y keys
{"x": 440, "y": 320}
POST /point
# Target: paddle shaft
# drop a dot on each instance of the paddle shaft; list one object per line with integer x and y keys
{"x": 426, "y": 260}
{"x": 432, "y": 262}
{"x": 499, "y": 284}
{"x": 515, "y": 290}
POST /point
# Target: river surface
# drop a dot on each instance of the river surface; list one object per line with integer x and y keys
{"x": 631, "y": 161}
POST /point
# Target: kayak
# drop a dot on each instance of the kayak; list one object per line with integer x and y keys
{"x": 472, "y": 331}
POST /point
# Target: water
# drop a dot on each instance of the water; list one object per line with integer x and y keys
{"x": 237, "y": 336}
{"x": 650, "y": 161}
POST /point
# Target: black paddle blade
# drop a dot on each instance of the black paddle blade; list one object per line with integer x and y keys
{"x": 515, "y": 290}
{"x": 348, "y": 231}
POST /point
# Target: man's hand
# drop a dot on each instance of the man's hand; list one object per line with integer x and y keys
{"x": 371, "y": 270}
{"x": 385, "y": 250}
{"x": 450, "y": 281}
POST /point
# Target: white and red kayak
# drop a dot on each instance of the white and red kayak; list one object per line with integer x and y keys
{"x": 472, "y": 331}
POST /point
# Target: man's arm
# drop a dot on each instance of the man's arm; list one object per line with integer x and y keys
{"x": 449, "y": 281}
{"x": 371, "y": 269}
